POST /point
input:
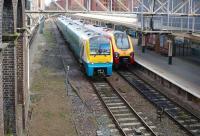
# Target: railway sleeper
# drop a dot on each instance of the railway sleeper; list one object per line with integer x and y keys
{"x": 196, "y": 131}
{"x": 113, "y": 101}
{"x": 126, "y": 119}
{"x": 117, "y": 107}
{"x": 113, "y": 104}
{"x": 131, "y": 124}
{"x": 123, "y": 114}
{"x": 113, "y": 97}
{"x": 116, "y": 111}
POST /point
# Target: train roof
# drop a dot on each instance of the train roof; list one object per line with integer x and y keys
{"x": 98, "y": 29}
{"x": 78, "y": 28}
{"x": 104, "y": 30}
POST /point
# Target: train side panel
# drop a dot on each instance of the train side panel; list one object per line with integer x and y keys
{"x": 71, "y": 37}
{"x": 75, "y": 43}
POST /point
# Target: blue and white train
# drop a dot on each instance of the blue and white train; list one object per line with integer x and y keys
{"x": 93, "y": 50}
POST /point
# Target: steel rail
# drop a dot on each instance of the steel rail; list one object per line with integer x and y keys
{"x": 176, "y": 112}
{"x": 115, "y": 93}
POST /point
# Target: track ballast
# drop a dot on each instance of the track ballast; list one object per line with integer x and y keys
{"x": 181, "y": 116}
{"x": 127, "y": 120}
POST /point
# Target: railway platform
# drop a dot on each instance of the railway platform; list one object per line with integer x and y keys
{"x": 183, "y": 74}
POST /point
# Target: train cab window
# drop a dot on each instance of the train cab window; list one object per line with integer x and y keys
{"x": 99, "y": 46}
{"x": 122, "y": 41}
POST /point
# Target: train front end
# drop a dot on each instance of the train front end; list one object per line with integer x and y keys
{"x": 123, "y": 52}
{"x": 99, "y": 54}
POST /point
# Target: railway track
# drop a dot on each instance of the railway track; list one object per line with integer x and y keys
{"x": 181, "y": 116}
{"x": 127, "y": 120}
{"x": 78, "y": 103}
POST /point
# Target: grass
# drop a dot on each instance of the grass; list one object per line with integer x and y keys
{"x": 9, "y": 133}
{"x": 49, "y": 37}
{"x": 62, "y": 115}
{"x": 35, "y": 98}
{"x": 40, "y": 80}
{"x": 48, "y": 114}
{"x": 48, "y": 88}
{"x": 40, "y": 47}
{"x": 44, "y": 80}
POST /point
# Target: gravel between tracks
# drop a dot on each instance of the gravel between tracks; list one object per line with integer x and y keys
{"x": 166, "y": 127}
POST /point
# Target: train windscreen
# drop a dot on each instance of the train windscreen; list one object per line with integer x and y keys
{"x": 99, "y": 46}
{"x": 121, "y": 40}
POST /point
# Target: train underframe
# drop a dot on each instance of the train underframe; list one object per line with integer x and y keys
{"x": 98, "y": 69}
{"x": 123, "y": 61}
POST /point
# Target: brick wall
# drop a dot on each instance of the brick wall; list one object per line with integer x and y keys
{"x": 1, "y": 99}
{"x": 19, "y": 54}
{"x": 26, "y": 78}
{"x": 20, "y": 67}
{"x": 1, "y": 8}
{"x": 13, "y": 69}
{"x": 20, "y": 88}
{"x": 8, "y": 66}
{"x": 1, "y": 72}
{"x": 22, "y": 71}
{"x": 9, "y": 88}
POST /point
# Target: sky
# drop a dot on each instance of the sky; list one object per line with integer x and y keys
{"x": 47, "y": 1}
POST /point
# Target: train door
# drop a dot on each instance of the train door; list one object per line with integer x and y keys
{"x": 83, "y": 56}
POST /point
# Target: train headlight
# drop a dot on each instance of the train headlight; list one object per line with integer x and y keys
{"x": 132, "y": 54}
{"x": 116, "y": 54}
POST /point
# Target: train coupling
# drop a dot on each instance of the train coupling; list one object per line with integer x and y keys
{"x": 101, "y": 71}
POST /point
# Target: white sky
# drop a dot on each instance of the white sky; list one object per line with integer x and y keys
{"x": 48, "y": 1}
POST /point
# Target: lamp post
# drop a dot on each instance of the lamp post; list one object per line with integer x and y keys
{"x": 41, "y": 27}
{"x": 143, "y": 43}
{"x": 169, "y": 52}
{"x": 67, "y": 80}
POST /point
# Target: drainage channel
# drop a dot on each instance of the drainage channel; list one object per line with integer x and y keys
{"x": 181, "y": 116}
